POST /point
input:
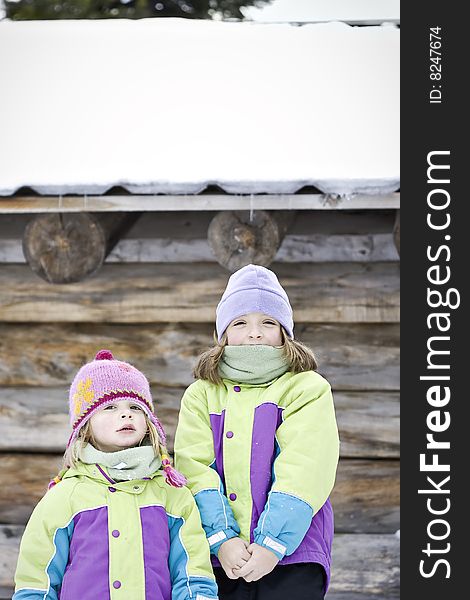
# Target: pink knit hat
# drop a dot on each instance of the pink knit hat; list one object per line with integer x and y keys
{"x": 104, "y": 381}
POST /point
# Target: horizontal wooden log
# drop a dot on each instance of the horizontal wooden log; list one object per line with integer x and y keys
{"x": 364, "y": 566}
{"x": 396, "y": 232}
{"x": 368, "y": 424}
{"x": 316, "y": 248}
{"x": 350, "y": 356}
{"x": 10, "y": 537}
{"x": 344, "y": 292}
{"x": 26, "y": 477}
{"x": 393, "y": 594}
{"x": 365, "y": 498}
{"x": 35, "y": 420}
{"x": 11, "y": 251}
{"x": 197, "y": 202}
{"x": 341, "y": 248}
{"x": 193, "y": 225}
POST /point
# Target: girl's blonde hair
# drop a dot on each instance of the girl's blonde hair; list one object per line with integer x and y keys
{"x": 299, "y": 358}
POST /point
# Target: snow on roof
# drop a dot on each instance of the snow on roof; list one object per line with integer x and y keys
{"x": 173, "y": 105}
{"x": 308, "y": 11}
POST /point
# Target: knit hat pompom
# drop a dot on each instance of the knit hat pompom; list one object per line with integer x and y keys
{"x": 254, "y": 288}
{"x": 104, "y": 355}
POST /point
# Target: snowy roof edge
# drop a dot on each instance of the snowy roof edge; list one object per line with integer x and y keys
{"x": 339, "y": 187}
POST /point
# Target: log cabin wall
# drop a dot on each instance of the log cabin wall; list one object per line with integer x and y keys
{"x": 153, "y": 303}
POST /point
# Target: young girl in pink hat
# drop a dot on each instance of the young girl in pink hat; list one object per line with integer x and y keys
{"x": 258, "y": 442}
{"x": 117, "y": 523}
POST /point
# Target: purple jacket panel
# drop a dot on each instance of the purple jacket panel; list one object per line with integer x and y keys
{"x": 267, "y": 419}
{"x": 86, "y": 574}
{"x": 156, "y": 544}
{"x": 217, "y": 426}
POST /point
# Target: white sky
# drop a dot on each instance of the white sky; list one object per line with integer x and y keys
{"x": 173, "y": 105}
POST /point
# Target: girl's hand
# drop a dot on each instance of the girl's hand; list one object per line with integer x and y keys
{"x": 261, "y": 563}
{"x": 233, "y": 554}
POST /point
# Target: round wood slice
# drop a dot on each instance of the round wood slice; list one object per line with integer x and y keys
{"x": 64, "y": 248}
{"x": 236, "y": 240}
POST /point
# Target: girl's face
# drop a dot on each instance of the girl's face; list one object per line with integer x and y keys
{"x": 119, "y": 425}
{"x": 254, "y": 328}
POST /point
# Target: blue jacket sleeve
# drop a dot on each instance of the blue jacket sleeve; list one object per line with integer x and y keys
{"x": 283, "y": 524}
{"x": 189, "y": 558}
{"x": 217, "y": 517}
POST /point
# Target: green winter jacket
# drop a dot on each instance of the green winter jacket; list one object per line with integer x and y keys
{"x": 261, "y": 462}
{"x": 90, "y": 538}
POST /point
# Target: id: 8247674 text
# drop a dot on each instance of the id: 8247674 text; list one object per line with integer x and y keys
{"x": 435, "y": 65}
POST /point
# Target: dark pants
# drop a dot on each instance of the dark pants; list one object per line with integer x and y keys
{"x": 300, "y": 581}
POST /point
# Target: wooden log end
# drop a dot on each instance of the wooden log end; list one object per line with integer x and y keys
{"x": 238, "y": 238}
{"x": 64, "y": 248}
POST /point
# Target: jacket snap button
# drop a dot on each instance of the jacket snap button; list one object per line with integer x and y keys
{"x": 237, "y": 388}
{"x": 116, "y": 584}
{"x": 229, "y": 434}
{"x": 116, "y": 533}
{"x": 233, "y": 497}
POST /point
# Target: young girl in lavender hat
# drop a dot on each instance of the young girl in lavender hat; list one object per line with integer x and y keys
{"x": 258, "y": 441}
{"x": 117, "y": 522}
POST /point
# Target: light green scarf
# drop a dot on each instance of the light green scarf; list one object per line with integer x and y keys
{"x": 253, "y": 364}
{"x": 124, "y": 465}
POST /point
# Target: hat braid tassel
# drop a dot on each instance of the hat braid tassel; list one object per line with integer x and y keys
{"x": 172, "y": 476}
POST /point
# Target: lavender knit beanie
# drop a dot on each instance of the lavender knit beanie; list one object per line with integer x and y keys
{"x": 254, "y": 289}
{"x": 104, "y": 381}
